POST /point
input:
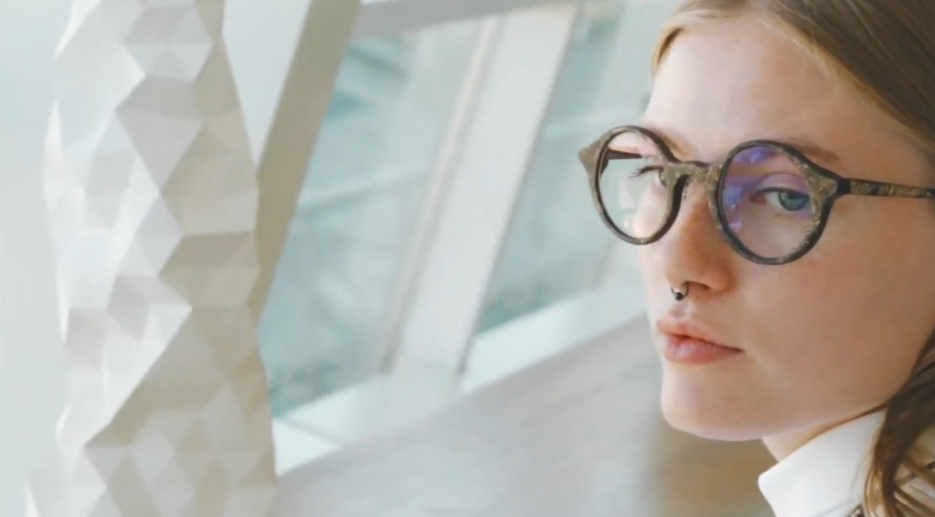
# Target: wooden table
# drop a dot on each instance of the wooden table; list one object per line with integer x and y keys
{"x": 579, "y": 435}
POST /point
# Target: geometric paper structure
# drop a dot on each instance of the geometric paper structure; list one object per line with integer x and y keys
{"x": 152, "y": 197}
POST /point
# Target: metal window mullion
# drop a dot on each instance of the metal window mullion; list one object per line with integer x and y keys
{"x": 473, "y": 211}
{"x": 385, "y": 219}
{"x": 295, "y": 126}
{"x": 407, "y": 284}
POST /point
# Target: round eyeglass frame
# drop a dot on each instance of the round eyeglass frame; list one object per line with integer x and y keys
{"x": 826, "y": 187}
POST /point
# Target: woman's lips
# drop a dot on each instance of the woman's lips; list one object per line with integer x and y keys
{"x": 689, "y": 350}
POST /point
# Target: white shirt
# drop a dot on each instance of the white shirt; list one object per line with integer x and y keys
{"x": 826, "y": 476}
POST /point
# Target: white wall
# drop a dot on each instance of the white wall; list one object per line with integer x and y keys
{"x": 30, "y": 358}
{"x": 30, "y": 355}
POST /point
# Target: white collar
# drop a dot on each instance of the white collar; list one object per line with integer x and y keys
{"x": 826, "y": 476}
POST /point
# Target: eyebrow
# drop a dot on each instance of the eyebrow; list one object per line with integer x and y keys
{"x": 812, "y": 149}
{"x": 803, "y": 143}
{"x": 670, "y": 136}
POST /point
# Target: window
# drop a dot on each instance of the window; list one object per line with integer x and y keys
{"x": 358, "y": 209}
{"x": 557, "y": 247}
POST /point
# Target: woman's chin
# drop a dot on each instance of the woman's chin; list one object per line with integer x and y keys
{"x": 707, "y": 418}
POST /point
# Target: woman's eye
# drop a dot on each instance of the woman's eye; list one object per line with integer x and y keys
{"x": 646, "y": 169}
{"x": 654, "y": 170}
{"x": 785, "y": 199}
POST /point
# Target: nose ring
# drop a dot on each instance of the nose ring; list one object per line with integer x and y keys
{"x": 680, "y": 295}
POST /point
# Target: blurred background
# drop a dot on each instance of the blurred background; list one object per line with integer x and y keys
{"x": 371, "y": 321}
{"x": 366, "y": 188}
{"x": 444, "y": 237}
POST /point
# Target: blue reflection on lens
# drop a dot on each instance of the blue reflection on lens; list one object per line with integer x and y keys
{"x": 734, "y": 190}
{"x": 754, "y": 155}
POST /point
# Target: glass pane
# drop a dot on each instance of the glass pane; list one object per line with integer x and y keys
{"x": 358, "y": 210}
{"x": 557, "y": 246}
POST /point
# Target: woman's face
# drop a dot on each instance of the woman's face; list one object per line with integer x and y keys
{"x": 822, "y": 339}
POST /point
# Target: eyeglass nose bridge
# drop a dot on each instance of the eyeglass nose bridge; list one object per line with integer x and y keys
{"x": 684, "y": 174}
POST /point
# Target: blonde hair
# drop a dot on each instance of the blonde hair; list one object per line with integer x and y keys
{"x": 885, "y": 50}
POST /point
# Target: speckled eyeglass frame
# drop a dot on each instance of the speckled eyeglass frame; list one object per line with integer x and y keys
{"x": 825, "y": 187}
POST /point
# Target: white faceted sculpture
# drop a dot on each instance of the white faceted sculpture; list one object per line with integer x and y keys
{"x": 152, "y": 196}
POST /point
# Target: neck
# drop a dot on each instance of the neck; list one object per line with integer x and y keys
{"x": 783, "y": 444}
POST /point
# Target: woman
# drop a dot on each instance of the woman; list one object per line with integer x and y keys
{"x": 779, "y": 188}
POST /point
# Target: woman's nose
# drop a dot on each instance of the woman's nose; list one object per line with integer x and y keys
{"x": 694, "y": 251}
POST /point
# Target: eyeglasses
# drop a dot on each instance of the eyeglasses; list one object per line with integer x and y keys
{"x": 768, "y": 199}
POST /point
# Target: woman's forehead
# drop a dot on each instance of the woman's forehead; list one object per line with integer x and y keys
{"x": 729, "y": 81}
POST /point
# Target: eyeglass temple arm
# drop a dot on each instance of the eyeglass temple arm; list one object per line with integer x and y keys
{"x": 880, "y": 189}
{"x": 590, "y": 155}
